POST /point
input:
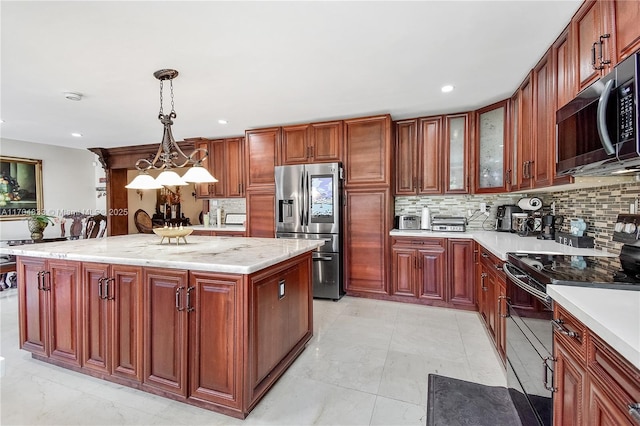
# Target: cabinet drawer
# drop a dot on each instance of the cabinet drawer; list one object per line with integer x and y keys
{"x": 492, "y": 262}
{"x": 418, "y": 242}
{"x": 620, "y": 379}
{"x": 571, "y": 332}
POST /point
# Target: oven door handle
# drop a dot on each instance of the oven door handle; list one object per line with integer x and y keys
{"x": 516, "y": 278}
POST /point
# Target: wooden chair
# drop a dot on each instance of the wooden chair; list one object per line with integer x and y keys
{"x": 143, "y": 222}
{"x": 77, "y": 226}
{"x": 95, "y": 227}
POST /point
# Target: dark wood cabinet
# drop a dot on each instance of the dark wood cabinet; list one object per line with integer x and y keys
{"x": 406, "y": 158}
{"x": 429, "y": 175}
{"x": 563, "y": 66}
{"x": 456, "y": 153}
{"x": 262, "y": 154}
{"x": 627, "y": 31}
{"x": 49, "y": 309}
{"x": 368, "y": 216}
{"x": 544, "y": 123}
{"x": 492, "y": 295}
{"x": 571, "y": 383}
{"x": 525, "y": 146}
{"x": 433, "y": 271}
{"x": 312, "y": 143}
{"x": 592, "y": 43}
{"x": 225, "y": 163}
{"x": 367, "y": 150}
{"x": 261, "y": 221}
{"x": 491, "y": 154}
{"x": 112, "y": 319}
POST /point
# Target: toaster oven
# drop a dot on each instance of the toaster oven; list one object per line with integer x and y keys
{"x": 407, "y": 222}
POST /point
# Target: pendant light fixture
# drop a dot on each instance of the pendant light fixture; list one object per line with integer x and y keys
{"x": 169, "y": 155}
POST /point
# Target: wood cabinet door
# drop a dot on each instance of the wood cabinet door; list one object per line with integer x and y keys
{"x": 367, "y": 216}
{"x": 33, "y": 306}
{"x": 544, "y": 123}
{"x": 570, "y": 378}
{"x": 432, "y": 271}
{"x": 218, "y": 168}
{"x": 563, "y": 65}
{"x": 124, "y": 295}
{"x": 326, "y": 141}
{"x": 525, "y": 135}
{"x": 456, "y": 150}
{"x": 430, "y": 155}
{"x": 96, "y": 341}
{"x": 296, "y": 148}
{"x": 234, "y": 176}
{"x": 501, "y": 320}
{"x": 65, "y": 320}
{"x": 492, "y": 306}
{"x": 261, "y": 157}
{"x": 460, "y": 286}
{"x": 627, "y": 28}
{"x": 491, "y": 123}
{"x": 215, "y": 338}
{"x": 368, "y": 151}
{"x": 165, "y": 330}
{"x": 404, "y": 272}
{"x": 588, "y": 25}
{"x": 203, "y": 190}
{"x": 406, "y": 157}
{"x": 261, "y": 211}
{"x": 483, "y": 293}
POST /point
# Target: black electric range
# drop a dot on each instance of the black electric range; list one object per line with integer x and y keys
{"x": 621, "y": 272}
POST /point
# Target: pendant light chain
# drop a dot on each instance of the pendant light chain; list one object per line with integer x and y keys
{"x": 173, "y": 110}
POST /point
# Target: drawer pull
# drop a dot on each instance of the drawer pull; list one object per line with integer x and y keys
{"x": 545, "y": 366}
{"x": 558, "y": 324}
{"x": 634, "y": 411}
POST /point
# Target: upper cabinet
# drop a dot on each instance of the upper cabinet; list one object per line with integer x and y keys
{"x": 312, "y": 143}
{"x": 368, "y": 151}
{"x": 225, "y": 163}
{"x": 591, "y": 33}
{"x": 490, "y": 153}
{"x": 420, "y": 146}
{"x": 261, "y": 157}
{"x": 626, "y": 15}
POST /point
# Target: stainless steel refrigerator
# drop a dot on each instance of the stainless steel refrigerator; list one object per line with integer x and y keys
{"x": 308, "y": 205}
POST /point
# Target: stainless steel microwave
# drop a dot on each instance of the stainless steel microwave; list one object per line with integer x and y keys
{"x": 597, "y": 132}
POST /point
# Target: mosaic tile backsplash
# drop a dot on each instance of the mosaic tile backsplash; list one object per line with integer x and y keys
{"x": 599, "y": 207}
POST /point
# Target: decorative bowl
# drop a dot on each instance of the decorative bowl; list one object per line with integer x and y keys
{"x": 170, "y": 233}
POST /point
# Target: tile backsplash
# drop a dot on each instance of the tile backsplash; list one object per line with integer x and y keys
{"x": 599, "y": 207}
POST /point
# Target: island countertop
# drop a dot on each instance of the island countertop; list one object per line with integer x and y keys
{"x": 203, "y": 253}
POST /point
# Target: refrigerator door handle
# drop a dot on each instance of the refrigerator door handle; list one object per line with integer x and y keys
{"x": 307, "y": 200}
{"x": 301, "y": 201}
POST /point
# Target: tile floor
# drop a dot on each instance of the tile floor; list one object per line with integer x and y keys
{"x": 367, "y": 364}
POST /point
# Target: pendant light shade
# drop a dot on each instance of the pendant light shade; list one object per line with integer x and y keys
{"x": 170, "y": 178}
{"x": 198, "y": 174}
{"x": 143, "y": 181}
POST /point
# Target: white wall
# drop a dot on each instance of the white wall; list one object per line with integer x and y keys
{"x": 69, "y": 180}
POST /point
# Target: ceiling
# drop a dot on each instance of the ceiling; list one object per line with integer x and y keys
{"x": 256, "y": 64}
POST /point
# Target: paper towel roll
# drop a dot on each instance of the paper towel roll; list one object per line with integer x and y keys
{"x": 425, "y": 222}
{"x": 532, "y": 203}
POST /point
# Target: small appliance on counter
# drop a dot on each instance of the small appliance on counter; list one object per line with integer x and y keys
{"x": 549, "y": 225}
{"x": 407, "y": 222}
{"x": 531, "y": 224}
{"x": 448, "y": 223}
{"x": 503, "y": 217}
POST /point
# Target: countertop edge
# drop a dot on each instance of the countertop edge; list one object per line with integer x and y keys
{"x": 601, "y": 319}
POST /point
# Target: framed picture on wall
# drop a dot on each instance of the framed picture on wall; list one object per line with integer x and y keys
{"x": 20, "y": 187}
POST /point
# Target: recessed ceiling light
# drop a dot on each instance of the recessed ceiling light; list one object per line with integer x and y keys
{"x": 73, "y": 96}
{"x": 76, "y": 135}
{"x": 222, "y": 121}
{"x": 446, "y": 89}
{"x": 1, "y": 121}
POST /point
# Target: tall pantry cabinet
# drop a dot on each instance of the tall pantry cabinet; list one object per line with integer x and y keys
{"x": 368, "y": 203}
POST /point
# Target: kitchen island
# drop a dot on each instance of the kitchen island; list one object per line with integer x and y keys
{"x": 213, "y": 323}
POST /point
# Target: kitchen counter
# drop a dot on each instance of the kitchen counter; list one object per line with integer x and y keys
{"x": 236, "y": 255}
{"x": 614, "y": 315}
{"x": 221, "y": 228}
{"x": 501, "y": 243}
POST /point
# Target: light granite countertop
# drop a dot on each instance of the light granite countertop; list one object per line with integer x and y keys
{"x": 501, "y": 243}
{"x": 237, "y": 255}
{"x": 222, "y": 228}
{"x": 614, "y": 315}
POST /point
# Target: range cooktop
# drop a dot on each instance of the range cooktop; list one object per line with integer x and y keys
{"x": 610, "y": 272}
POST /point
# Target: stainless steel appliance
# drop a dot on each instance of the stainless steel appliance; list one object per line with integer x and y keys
{"x": 529, "y": 332}
{"x": 503, "y": 217}
{"x": 308, "y": 205}
{"x": 549, "y": 225}
{"x": 407, "y": 222}
{"x": 599, "y": 131}
{"x": 448, "y": 223}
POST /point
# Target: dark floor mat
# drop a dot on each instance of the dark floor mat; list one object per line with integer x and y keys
{"x": 453, "y": 402}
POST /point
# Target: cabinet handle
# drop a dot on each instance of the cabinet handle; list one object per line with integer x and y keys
{"x": 603, "y": 62}
{"x": 500, "y": 314}
{"x": 634, "y": 411}
{"x": 312, "y": 151}
{"x": 482, "y": 277}
{"x": 178, "y": 307}
{"x": 546, "y": 368}
{"x": 189, "y": 307}
{"x": 40, "y": 279}
{"x": 558, "y": 324}
{"x": 593, "y": 56}
{"x": 46, "y": 277}
{"x": 100, "y": 294}
{"x": 508, "y": 177}
{"x": 484, "y": 254}
{"x": 106, "y": 295}
{"x": 498, "y": 266}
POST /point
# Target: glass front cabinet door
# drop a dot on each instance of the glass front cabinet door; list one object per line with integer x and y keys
{"x": 491, "y": 148}
{"x": 457, "y": 151}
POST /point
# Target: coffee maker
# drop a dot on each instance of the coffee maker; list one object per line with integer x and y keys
{"x": 503, "y": 217}
{"x": 549, "y": 224}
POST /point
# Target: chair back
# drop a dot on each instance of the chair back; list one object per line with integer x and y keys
{"x": 95, "y": 227}
{"x": 143, "y": 222}
{"x": 76, "y": 222}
